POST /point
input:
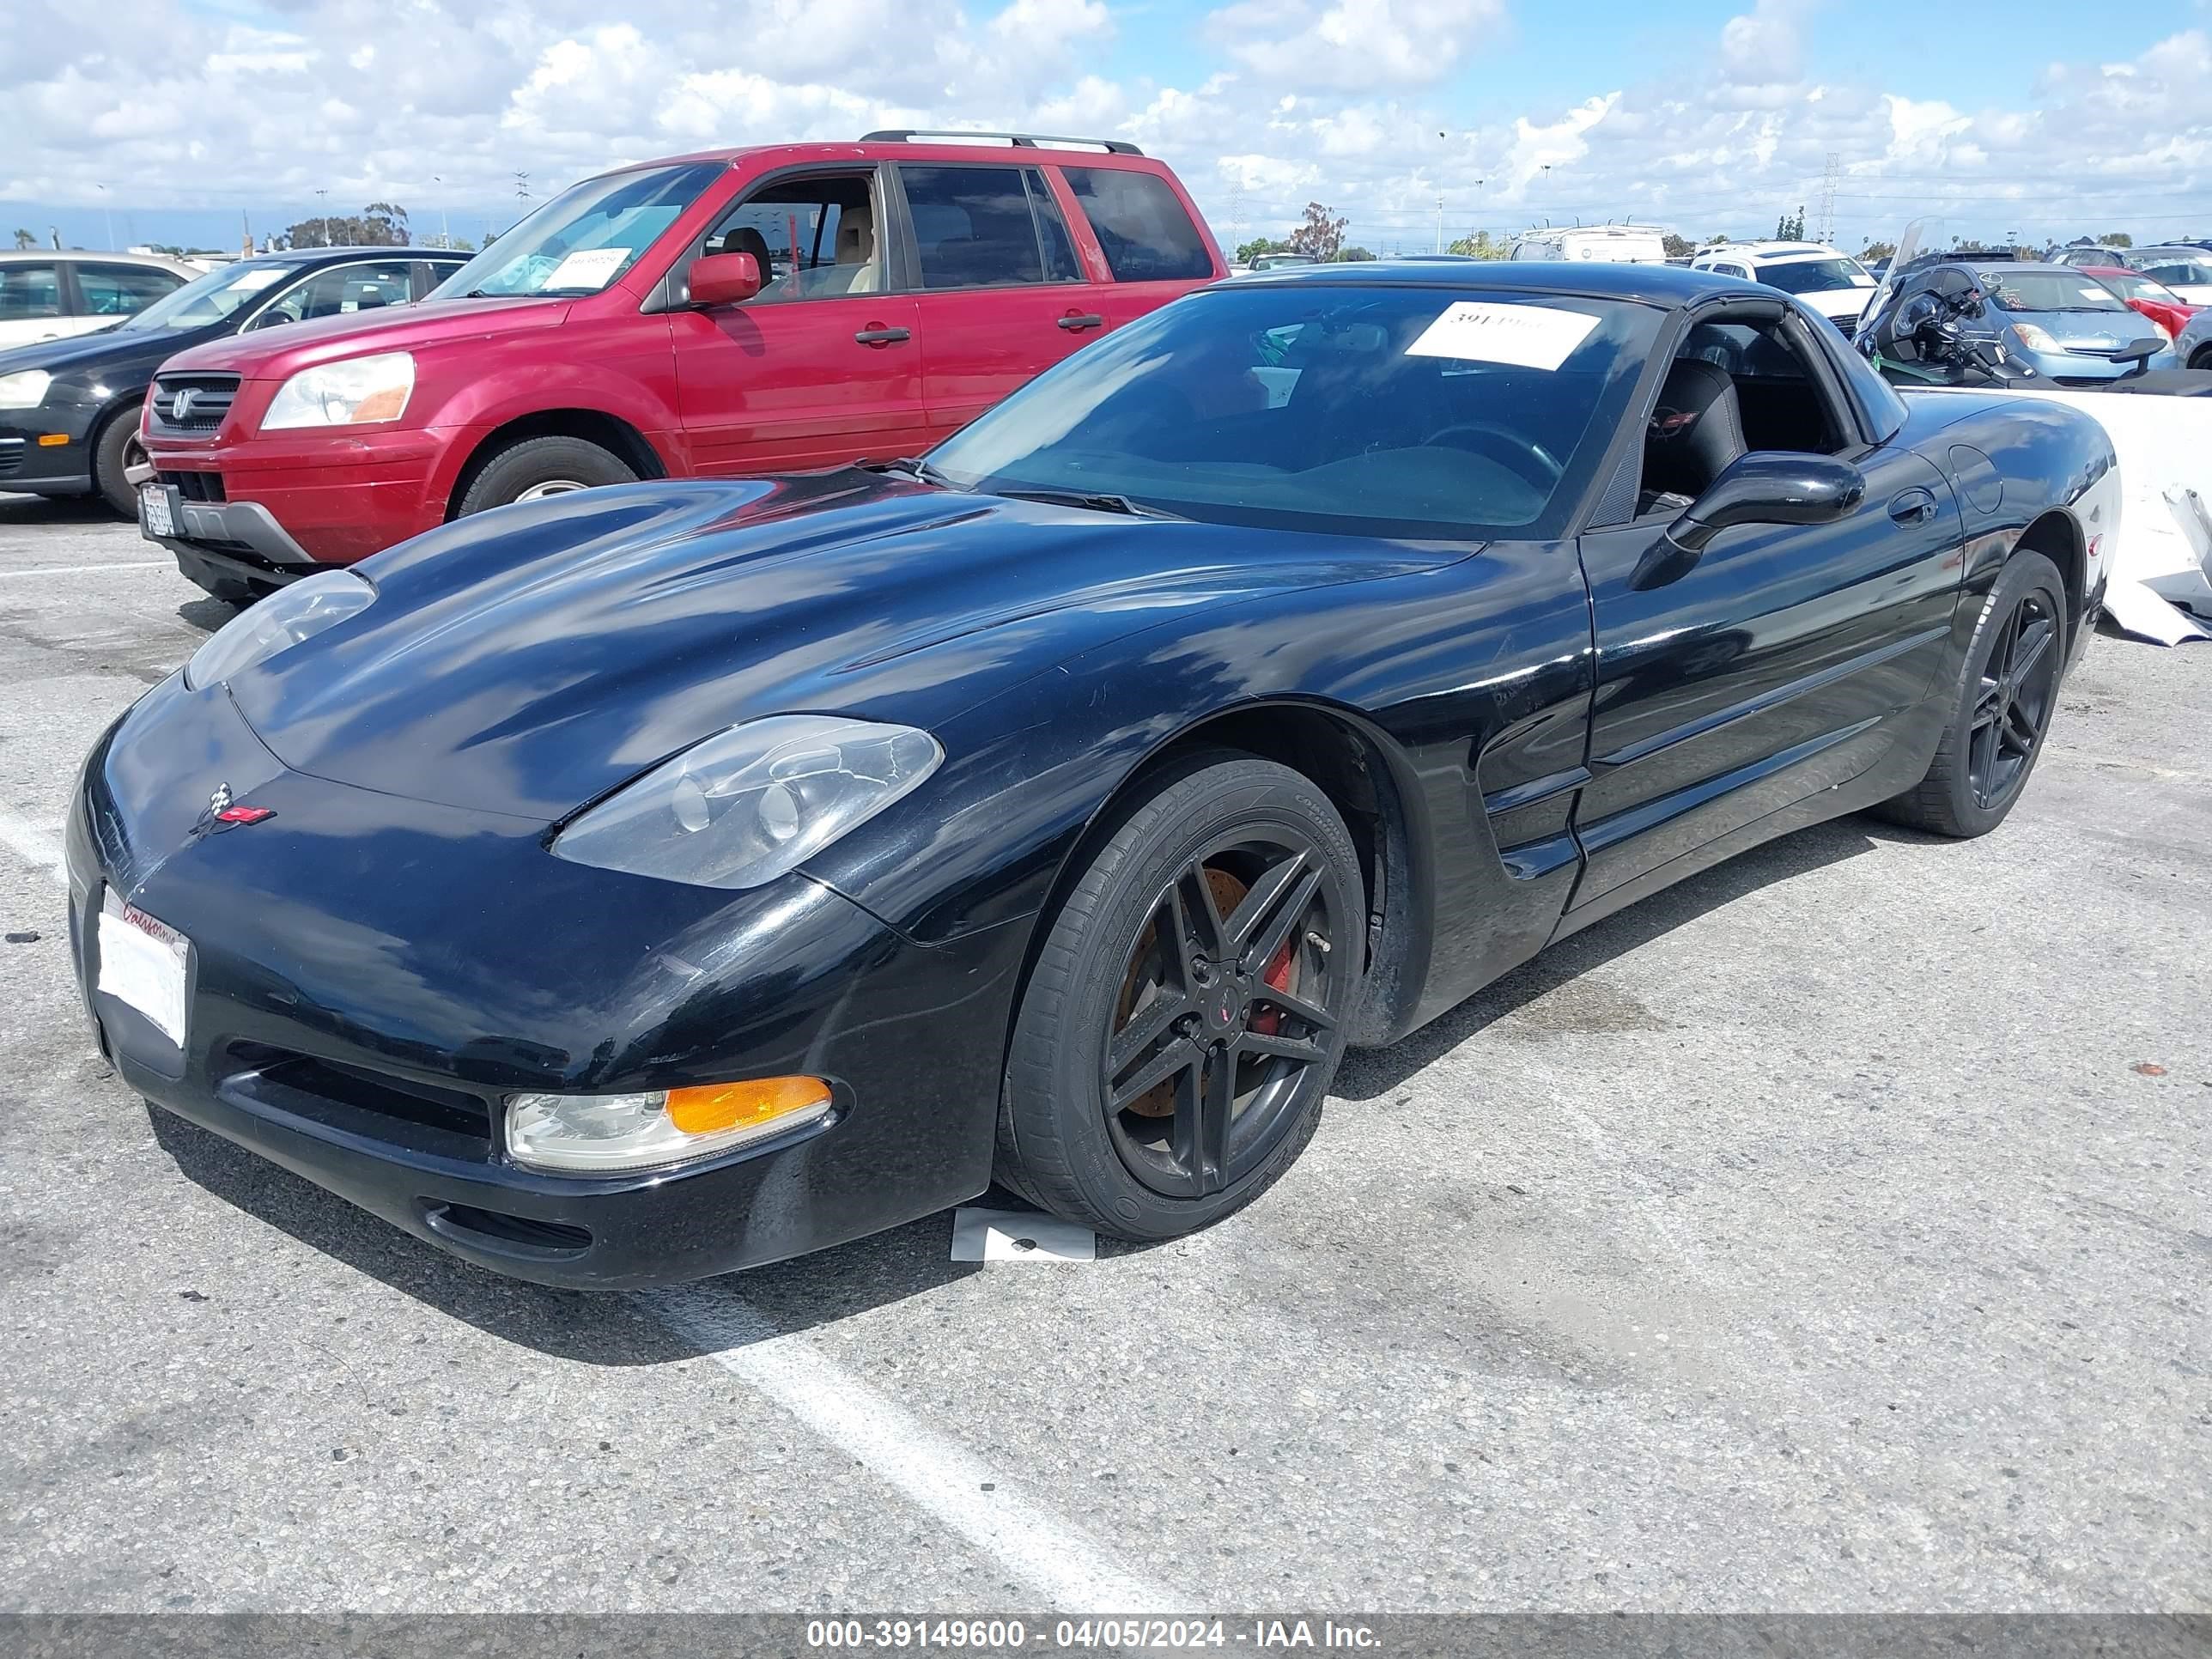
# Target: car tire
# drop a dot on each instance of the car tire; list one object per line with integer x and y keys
{"x": 113, "y": 452}
{"x": 1250, "y": 1006}
{"x": 2202, "y": 359}
{"x": 538, "y": 467}
{"x": 2002, "y": 709}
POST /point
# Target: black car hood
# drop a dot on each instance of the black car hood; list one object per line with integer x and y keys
{"x": 97, "y": 350}
{"x": 528, "y": 660}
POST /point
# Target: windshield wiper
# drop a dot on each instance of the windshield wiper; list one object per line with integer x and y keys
{"x": 1096, "y": 504}
{"x": 915, "y": 467}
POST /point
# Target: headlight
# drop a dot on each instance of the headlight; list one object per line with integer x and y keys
{"x": 653, "y": 1129}
{"x": 24, "y": 389}
{"x": 2164, "y": 332}
{"x": 277, "y": 624}
{"x": 2034, "y": 338}
{"x": 751, "y": 803}
{"x": 349, "y": 393}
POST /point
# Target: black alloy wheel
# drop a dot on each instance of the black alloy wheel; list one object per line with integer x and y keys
{"x": 2003, "y": 703}
{"x": 1229, "y": 999}
{"x": 2018, "y": 687}
{"x": 1188, "y": 1005}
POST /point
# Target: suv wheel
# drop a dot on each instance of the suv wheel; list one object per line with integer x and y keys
{"x": 538, "y": 467}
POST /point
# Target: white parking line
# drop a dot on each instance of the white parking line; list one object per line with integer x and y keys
{"x": 84, "y": 569}
{"x": 35, "y": 846}
{"x": 1047, "y": 1552}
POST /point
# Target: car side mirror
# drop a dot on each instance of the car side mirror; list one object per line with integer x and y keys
{"x": 723, "y": 279}
{"x": 1764, "y": 487}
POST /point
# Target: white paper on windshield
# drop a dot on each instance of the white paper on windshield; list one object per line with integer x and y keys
{"x": 252, "y": 282}
{"x": 591, "y": 267}
{"x": 2096, "y": 294}
{"x": 1526, "y": 336}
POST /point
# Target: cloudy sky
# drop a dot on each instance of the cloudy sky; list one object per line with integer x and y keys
{"x": 170, "y": 116}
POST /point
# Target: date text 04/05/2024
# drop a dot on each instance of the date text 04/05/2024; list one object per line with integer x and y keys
{"x": 995, "y": 1635}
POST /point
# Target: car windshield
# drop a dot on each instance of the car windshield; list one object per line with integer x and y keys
{"x": 1379, "y": 410}
{"x": 213, "y": 297}
{"x": 586, "y": 237}
{"x": 2050, "y": 290}
{"x": 1812, "y": 276}
{"x": 2133, "y": 287}
{"x": 2176, "y": 267}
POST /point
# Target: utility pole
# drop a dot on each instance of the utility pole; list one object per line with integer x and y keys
{"x": 521, "y": 192}
{"x": 1828, "y": 179}
{"x": 323, "y": 215}
{"x": 445, "y": 225}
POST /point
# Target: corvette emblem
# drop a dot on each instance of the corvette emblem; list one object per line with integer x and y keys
{"x": 220, "y": 814}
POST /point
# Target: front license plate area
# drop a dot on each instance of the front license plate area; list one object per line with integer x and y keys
{"x": 142, "y": 965}
{"x": 153, "y": 515}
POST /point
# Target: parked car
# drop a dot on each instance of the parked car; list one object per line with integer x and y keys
{"x": 1639, "y": 245}
{"x": 1832, "y": 284}
{"x": 682, "y": 876}
{"x": 2154, "y": 299}
{"x": 2071, "y": 327}
{"x": 2187, "y": 271}
{"x": 1280, "y": 261}
{"x": 2193, "y": 345}
{"x": 739, "y": 311}
{"x": 57, "y": 295}
{"x": 2087, "y": 255}
{"x": 69, "y": 409}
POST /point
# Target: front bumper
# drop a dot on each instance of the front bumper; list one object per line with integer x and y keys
{"x": 334, "y": 499}
{"x": 47, "y": 468}
{"x": 369, "y": 976}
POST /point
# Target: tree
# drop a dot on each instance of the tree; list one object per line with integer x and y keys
{"x": 1789, "y": 229}
{"x": 1480, "y": 246}
{"x": 381, "y": 224}
{"x": 1873, "y": 250}
{"x": 1321, "y": 236}
{"x": 2116, "y": 238}
{"x": 1247, "y": 251}
{"x": 24, "y": 239}
{"x": 1350, "y": 255}
{"x": 1678, "y": 247}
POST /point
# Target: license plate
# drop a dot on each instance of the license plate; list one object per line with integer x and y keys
{"x": 154, "y": 512}
{"x": 142, "y": 964}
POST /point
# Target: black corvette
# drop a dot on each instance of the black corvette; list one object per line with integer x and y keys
{"x": 679, "y": 876}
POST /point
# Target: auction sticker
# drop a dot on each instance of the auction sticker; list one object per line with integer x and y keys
{"x": 1526, "y": 336}
{"x": 591, "y": 267}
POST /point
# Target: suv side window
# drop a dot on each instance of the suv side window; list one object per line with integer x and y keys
{"x": 28, "y": 291}
{"x": 814, "y": 238}
{"x": 119, "y": 290}
{"x": 1146, "y": 235}
{"x": 986, "y": 227}
{"x": 339, "y": 291}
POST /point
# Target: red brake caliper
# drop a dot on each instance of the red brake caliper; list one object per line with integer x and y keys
{"x": 1268, "y": 1022}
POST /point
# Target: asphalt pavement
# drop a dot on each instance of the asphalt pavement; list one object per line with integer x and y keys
{"x": 1829, "y": 1233}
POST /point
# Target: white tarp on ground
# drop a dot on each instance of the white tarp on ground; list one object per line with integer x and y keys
{"x": 2162, "y": 564}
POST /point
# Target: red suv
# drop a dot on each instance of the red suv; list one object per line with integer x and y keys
{"x": 739, "y": 311}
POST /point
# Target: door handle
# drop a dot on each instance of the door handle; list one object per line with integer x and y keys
{"x": 876, "y": 335}
{"x": 1075, "y": 323}
{"x": 1913, "y": 506}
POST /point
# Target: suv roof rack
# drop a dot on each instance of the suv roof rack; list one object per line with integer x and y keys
{"x": 1017, "y": 140}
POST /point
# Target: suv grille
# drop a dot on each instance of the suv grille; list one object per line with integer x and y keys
{"x": 190, "y": 404}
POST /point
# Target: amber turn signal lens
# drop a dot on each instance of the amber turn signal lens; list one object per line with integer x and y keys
{"x": 716, "y": 1106}
{"x": 385, "y": 406}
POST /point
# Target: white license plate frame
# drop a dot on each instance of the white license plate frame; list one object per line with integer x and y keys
{"x": 154, "y": 517}
{"x": 144, "y": 964}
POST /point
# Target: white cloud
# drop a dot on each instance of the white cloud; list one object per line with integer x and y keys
{"x": 1275, "y": 103}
